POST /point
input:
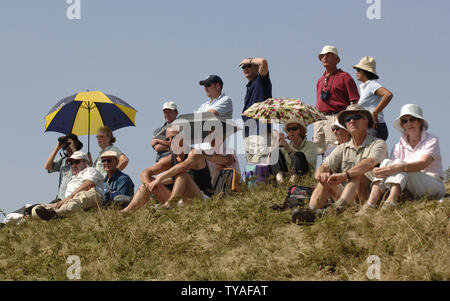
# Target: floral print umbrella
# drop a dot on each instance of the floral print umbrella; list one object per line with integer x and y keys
{"x": 282, "y": 109}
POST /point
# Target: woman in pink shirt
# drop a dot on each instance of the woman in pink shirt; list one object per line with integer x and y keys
{"x": 415, "y": 163}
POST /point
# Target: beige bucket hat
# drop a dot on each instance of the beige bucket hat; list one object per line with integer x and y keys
{"x": 368, "y": 64}
{"x": 329, "y": 49}
{"x": 295, "y": 120}
{"x": 353, "y": 109}
{"x": 413, "y": 110}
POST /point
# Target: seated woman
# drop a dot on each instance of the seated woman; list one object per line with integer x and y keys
{"x": 415, "y": 163}
{"x": 299, "y": 156}
{"x": 341, "y": 134}
{"x": 186, "y": 169}
{"x": 105, "y": 139}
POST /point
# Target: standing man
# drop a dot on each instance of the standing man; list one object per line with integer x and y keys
{"x": 160, "y": 143}
{"x": 336, "y": 90}
{"x": 259, "y": 88}
{"x": 218, "y": 103}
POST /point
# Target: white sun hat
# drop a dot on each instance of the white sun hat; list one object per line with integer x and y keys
{"x": 413, "y": 110}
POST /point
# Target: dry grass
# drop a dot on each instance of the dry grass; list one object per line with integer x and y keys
{"x": 239, "y": 238}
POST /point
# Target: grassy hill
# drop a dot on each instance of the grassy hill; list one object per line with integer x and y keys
{"x": 237, "y": 238}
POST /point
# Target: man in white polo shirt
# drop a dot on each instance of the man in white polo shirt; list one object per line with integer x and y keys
{"x": 84, "y": 190}
{"x": 218, "y": 103}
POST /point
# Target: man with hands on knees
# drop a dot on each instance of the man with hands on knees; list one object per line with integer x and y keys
{"x": 186, "y": 170}
{"x": 347, "y": 172}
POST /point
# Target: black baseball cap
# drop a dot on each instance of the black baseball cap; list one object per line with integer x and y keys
{"x": 211, "y": 80}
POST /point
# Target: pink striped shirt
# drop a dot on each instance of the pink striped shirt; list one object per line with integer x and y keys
{"x": 428, "y": 145}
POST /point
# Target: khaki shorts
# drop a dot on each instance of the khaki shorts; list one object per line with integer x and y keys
{"x": 323, "y": 135}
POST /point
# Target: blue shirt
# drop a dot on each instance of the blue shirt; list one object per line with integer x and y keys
{"x": 222, "y": 104}
{"x": 258, "y": 90}
{"x": 119, "y": 184}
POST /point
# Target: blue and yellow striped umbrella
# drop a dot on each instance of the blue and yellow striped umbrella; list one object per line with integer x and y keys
{"x": 85, "y": 112}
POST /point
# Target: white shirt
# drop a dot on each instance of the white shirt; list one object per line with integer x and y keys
{"x": 223, "y": 105}
{"x": 89, "y": 173}
{"x": 368, "y": 99}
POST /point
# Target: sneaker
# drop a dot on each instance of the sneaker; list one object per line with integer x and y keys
{"x": 279, "y": 177}
{"x": 302, "y": 216}
{"x": 293, "y": 178}
{"x": 46, "y": 214}
{"x": 389, "y": 206}
{"x": 365, "y": 209}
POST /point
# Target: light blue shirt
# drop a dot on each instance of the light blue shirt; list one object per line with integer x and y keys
{"x": 223, "y": 105}
{"x": 368, "y": 99}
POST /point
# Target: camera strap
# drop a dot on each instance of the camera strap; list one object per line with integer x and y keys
{"x": 331, "y": 83}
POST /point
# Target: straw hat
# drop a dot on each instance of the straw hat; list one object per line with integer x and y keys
{"x": 368, "y": 64}
{"x": 109, "y": 154}
{"x": 329, "y": 49}
{"x": 413, "y": 110}
{"x": 354, "y": 109}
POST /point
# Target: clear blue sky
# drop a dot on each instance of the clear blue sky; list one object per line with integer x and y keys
{"x": 147, "y": 52}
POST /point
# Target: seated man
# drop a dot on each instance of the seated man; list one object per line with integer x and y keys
{"x": 84, "y": 190}
{"x": 351, "y": 161}
{"x": 119, "y": 188}
{"x": 189, "y": 172}
{"x": 298, "y": 157}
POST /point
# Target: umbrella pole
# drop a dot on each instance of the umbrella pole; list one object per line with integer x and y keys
{"x": 89, "y": 128}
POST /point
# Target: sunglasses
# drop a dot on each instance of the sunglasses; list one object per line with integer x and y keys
{"x": 410, "y": 119}
{"x": 352, "y": 117}
{"x": 247, "y": 66}
{"x": 106, "y": 160}
{"x": 292, "y": 129}
{"x": 335, "y": 129}
{"x": 169, "y": 138}
{"x": 74, "y": 162}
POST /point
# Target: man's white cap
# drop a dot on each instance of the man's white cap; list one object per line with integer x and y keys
{"x": 170, "y": 105}
{"x": 79, "y": 155}
{"x": 329, "y": 49}
{"x": 109, "y": 154}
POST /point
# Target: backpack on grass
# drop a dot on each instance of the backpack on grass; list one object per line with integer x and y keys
{"x": 226, "y": 181}
{"x": 295, "y": 197}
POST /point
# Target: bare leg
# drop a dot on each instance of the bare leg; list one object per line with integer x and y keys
{"x": 395, "y": 193}
{"x": 351, "y": 189}
{"x": 185, "y": 187}
{"x": 363, "y": 190}
{"x": 321, "y": 193}
{"x": 375, "y": 194}
{"x": 142, "y": 196}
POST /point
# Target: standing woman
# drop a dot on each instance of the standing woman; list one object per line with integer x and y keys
{"x": 415, "y": 163}
{"x": 105, "y": 141}
{"x": 374, "y": 97}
